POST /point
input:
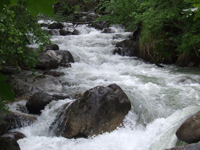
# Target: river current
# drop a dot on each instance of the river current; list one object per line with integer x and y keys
{"x": 161, "y": 98}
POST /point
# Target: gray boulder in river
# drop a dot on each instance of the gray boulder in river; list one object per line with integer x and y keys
{"x": 195, "y": 146}
{"x": 98, "y": 110}
{"x": 39, "y": 100}
{"x": 189, "y": 131}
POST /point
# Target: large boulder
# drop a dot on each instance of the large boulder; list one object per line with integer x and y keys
{"x": 65, "y": 32}
{"x": 39, "y": 100}
{"x": 132, "y": 48}
{"x": 51, "y": 59}
{"x": 195, "y": 146}
{"x": 7, "y": 143}
{"x": 189, "y": 131}
{"x": 127, "y": 48}
{"x": 17, "y": 119}
{"x": 47, "y": 83}
{"x": 47, "y": 62}
{"x": 22, "y": 88}
{"x": 14, "y": 135}
{"x": 4, "y": 126}
{"x": 100, "y": 109}
{"x": 56, "y": 25}
{"x": 26, "y": 84}
{"x": 66, "y": 57}
{"x": 51, "y": 47}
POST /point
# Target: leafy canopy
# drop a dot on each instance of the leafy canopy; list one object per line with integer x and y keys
{"x": 19, "y": 28}
{"x": 34, "y": 6}
{"x": 167, "y": 27}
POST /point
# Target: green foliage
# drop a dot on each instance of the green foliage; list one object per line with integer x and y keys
{"x": 16, "y": 33}
{"x": 6, "y": 93}
{"x": 19, "y": 28}
{"x": 167, "y": 27}
{"x": 196, "y": 5}
{"x": 34, "y": 6}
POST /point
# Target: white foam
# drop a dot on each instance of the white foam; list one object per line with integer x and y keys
{"x": 159, "y": 101}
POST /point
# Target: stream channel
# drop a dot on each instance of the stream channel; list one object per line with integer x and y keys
{"x": 161, "y": 98}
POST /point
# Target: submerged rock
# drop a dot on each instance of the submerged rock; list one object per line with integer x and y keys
{"x": 39, "y": 100}
{"x": 54, "y": 73}
{"x": 195, "y": 146}
{"x": 189, "y": 131}
{"x": 14, "y": 135}
{"x": 100, "y": 109}
{"x": 18, "y": 120}
{"x": 47, "y": 83}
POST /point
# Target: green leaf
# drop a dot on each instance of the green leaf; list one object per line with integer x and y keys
{"x": 5, "y": 89}
{"x": 4, "y": 2}
{"x": 40, "y": 6}
{"x": 3, "y": 78}
{"x": 13, "y": 2}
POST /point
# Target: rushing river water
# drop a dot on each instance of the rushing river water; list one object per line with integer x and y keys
{"x": 161, "y": 98}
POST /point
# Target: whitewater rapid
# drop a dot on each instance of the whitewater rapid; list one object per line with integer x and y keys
{"x": 161, "y": 98}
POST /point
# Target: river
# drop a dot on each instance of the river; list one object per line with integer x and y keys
{"x": 161, "y": 98}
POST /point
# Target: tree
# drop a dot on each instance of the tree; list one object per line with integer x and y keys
{"x": 167, "y": 27}
{"x": 18, "y": 27}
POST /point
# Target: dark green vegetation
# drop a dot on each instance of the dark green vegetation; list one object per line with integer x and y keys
{"x": 18, "y": 28}
{"x": 169, "y": 29}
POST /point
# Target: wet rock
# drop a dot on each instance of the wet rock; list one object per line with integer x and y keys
{"x": 47, "y": 83}
{"x": 100, "y": 109}
{"x": 39, "y": 100}
{"x": 56, "y": 25}
{"x": 54, "y": 55}
{"x": 14, "y": 135}
{"x": 7, "y": 143}
{"x": 26, "y": 84}
{"x": 46, "y": 62}
{"x": 22, "y": 88}
{"x": 9, "y": 70}
{"x": 100, "y": 25}
{"x": 91, "y": 17}
{"x": 127, "y": 48}
{"x": 54, "y": 73}
{"x": 66, "y": 57}
{"x": 21, "y": 108}
{"x": 65, "y": 32}
{"x": 52, "y": 31}
{"x": 75, "y": 32}
{"x": 184, "y": 60}
{"x": 195, "y": 146}
{"x": 17, "y": 119}
{"x": 51, "y": 47}
{"x": 107, "y": 30}
{"x": 43, "y": 25}
{"x": 4, "y": 126}
{"x": 51, "y": 59}
{"x": 189, "y": 131}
